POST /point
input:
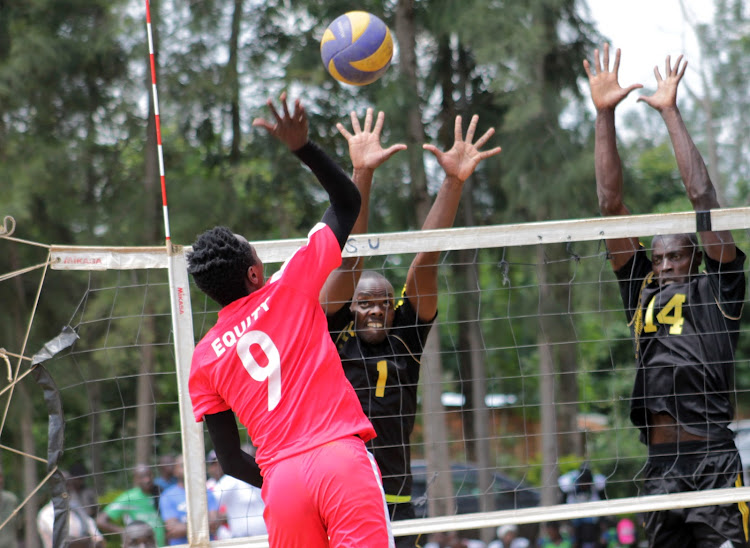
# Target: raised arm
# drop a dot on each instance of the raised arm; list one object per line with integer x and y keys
{"x": 105, "y": 524}
{"x": 458, "y": 163}
{"x": 606, "y": 94}
{"x": 292, "y": 130}
{"x": 700, "y": 190}
{"x": 366, "y": 153}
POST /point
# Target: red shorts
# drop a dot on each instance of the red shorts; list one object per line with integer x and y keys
{"x": 329, "y": 496}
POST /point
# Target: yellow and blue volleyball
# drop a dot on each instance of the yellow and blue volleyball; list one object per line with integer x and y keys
{"x": 356, "y": 48}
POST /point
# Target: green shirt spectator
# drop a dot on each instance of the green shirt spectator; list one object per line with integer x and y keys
{"x": 136, "y": 504}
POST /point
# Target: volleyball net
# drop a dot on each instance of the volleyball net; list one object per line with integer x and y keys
{"x": 527, "y": 374}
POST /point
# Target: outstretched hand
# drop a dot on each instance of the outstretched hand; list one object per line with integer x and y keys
{"x": 291, "y": 129}
{"x": 365, "y": 149}
{"x": 666, "y": 88}
{"x": 606, "y": 91}
{"x": 462, "y": 159}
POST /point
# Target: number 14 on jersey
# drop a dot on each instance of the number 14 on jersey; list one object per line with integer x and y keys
{"x": 670, "y": 315}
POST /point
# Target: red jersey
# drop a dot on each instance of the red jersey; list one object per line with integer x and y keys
{"x": 270, "y": 359}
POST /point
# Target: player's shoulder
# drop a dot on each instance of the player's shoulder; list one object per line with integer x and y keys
{"x": 322, "y": 235}
{"x": 321, "y": 242}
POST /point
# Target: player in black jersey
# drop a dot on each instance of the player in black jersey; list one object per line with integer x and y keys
{"x": 380, "y": 342}
{"x": 685, "y": 326}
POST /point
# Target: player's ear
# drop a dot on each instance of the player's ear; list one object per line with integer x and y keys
{"x": 252, "y": 277}
{"x": 697, "y": 260}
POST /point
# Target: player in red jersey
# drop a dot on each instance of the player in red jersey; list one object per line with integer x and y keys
{"x": 270, "y": 360}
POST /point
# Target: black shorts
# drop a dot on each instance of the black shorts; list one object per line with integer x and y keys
{"x": 695, "y": 466}
{"x": 403, "y": 510}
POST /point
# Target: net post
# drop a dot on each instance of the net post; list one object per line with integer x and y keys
{"x": 193, "y": 448}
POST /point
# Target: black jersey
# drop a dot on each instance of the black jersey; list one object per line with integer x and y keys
{"x": 385, "y": 378}
{"x": 685, "y": 337}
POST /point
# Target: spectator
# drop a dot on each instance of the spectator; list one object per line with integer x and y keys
{"x": 213, "y": 468}
{"x": 138, "y": 534}
{"x": 8, "y": 504}
{"x": 507, "y": 537}
{"x": 609, "y": 537}
{"x": 582, "y": 485}
{"x": 80, "y": 493}
{"x": 173, "y": 508}
{"x": 241, "y": 502}
{"x": 82, "y": 530}
{"x": 166, "y": 473}
{"x": 136, "y": 504}
{"x": 553, "y": 537}
{"x": 450, "y": 539}
{"x": 626, "y": 532}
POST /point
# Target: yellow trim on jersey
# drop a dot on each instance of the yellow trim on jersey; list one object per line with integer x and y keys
{"x": 637, "y": 320}
{"x": 403, "y": 296}
{"x": 407, "y": 349}
{"x": 744, "y": 510}
{"x": 345, "y": 334}
{"x": 398, "y": 498}
{"x": 727, "y": 316}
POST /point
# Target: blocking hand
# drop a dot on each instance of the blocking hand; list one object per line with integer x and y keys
{"x": 291, "y": 129}
{"x": 462, "y": 159}
{"x": 666, "y": 88}
{"x": 606, "y": 91}
{"x": 365, "y": 149}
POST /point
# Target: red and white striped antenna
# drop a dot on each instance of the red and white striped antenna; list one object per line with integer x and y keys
{"x": 182, "y": 329}
{"x": 157, "y": 122}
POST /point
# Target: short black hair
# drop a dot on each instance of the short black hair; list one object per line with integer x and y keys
{"x": 374, "y": 275}
{"x": 219, "y": 262}
{"x": 585, "y": 478}
{"x": 690, "y": 237}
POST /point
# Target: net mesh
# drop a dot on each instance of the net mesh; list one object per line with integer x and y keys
{"x": 527, "y": 374}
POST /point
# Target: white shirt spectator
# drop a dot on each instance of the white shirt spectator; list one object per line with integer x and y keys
{"x": 244, "y": 506}
{"x": 80, "y": 526}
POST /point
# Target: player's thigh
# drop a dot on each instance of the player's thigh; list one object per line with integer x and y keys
{"x": 351, "y": 496}
{"x": 404, "y": 510}
{"x": 667, "y": 529}
{"x": 291, "y": 512}
{"x": 714, "y": 526}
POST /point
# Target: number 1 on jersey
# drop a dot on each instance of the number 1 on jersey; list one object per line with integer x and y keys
{"x": 272, "y": 371}
{"x": 382, "y": 377}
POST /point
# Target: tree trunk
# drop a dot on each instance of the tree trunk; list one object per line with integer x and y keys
{"x": 30, "y": 476}
{"x": 558, "y": 325}
{"x": 437, "y": 456}
{"x": 233, "y": 82}
{"x": 405, "y": 28}
{"x": 145, "y": 404}
{"x": 436, "y": 446}
{"x": 547, "y": 396}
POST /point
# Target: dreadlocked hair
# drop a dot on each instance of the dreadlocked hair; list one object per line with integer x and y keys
{"x": 219, "y": 263}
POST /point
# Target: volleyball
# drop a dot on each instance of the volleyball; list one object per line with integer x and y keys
{"x": 356, "y": 48}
